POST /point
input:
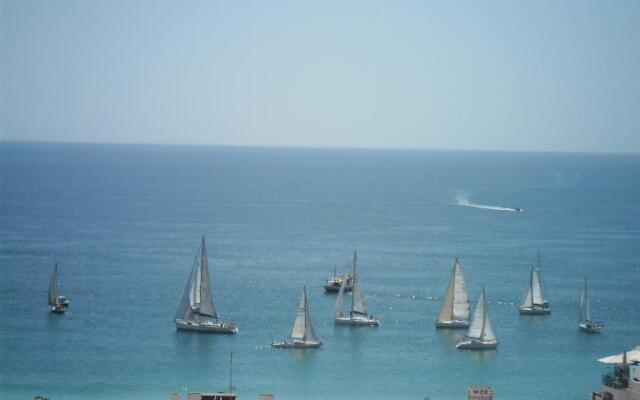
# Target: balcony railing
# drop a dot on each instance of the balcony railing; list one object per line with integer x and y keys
{"x": 615, "y": 381}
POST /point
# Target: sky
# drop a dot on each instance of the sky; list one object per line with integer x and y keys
{"x": 469, "y": 75}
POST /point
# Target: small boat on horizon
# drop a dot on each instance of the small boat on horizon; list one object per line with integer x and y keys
{"x": 585, "y": 323}
{"x": 197, "y": 301}
{"x": 332, "y": 285}
{"x": 533, "y": 302}
{"x": 480, "y": 335}
{"x": 58, "y": 303}
{"x": 302, "y": 335}
{"x": 455, "y": 309}
{"x": 358, "y": 314}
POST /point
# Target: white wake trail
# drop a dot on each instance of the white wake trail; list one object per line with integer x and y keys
{"x": 461, "y": 201}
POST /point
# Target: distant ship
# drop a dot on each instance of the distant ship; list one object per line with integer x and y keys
{"x": 455, "y": 307}
{"x": 333, "y": 284}
{"x": 358, "y": 314}
{"x": 586, "y": 324}
{"x": 58, "y": 303}
{"x": 302, "y": 335}
{"x": 197, "y": 301}
{"x": 480, "y": 335}
{"x": 534, "y": 302}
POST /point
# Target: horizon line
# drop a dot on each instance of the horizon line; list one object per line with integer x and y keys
{"x": 311, "y": 147}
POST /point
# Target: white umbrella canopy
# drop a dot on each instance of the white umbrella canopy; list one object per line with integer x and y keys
{"x": 633, "y": 356}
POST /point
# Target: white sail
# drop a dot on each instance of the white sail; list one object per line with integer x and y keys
{"x": 585, "y": 305}
{"x": 299, "y": 326}
{"x": 197, "y": 292}
{"x": 194, "y": 293}
{"x": 461, "y": 309}
{"x": 477, "y": 325}
{"x": 339, "y": 309}
{"x": 184, "y": 307}
{"x": 446, "y": 312}
{"x": 357, "y": 298}
{"x": 456, "y": 299}
{"x": 53, "y": 286}
{"x": 536, "y": 289}
{"x": 206, "y": 299}
{"x": 488, "y": 335}
{"x": 528, "y": 296}
{"x": 309, "y": 332}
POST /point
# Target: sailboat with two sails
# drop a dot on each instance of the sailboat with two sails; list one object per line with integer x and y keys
{"x": 480, "y": 335}
{"x": 196, "y": 311}
{"x": 585, "y": 323}
{"x": 455, "y": 307}
{"x": 302, "y": 335}
{"x": 358, "y": 314}
{"x": 58, "y": 303}
{"x": 534, "y": 302}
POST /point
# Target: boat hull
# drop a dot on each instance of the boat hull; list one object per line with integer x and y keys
{"x": 534, "y": 310}
{"x": 213, "y": 327}
{"x": 58, "y": 309}
{"x": 370, "y": 321}
{"x": 452, "y": 324}
{"x": 591, "y": 327}
{"x": 296, "y": 345}
{"x": 474, "y": 344}
{"x": 336, "y": 289}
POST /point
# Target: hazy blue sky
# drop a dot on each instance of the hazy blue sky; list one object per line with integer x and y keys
{"x": 537, "y": 75}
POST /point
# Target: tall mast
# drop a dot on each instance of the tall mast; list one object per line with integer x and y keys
{"x": 203, "y": 254}
{"x": 231, "y": 374}
{"x": 531, "y": 285}
{"x": 484, "y": 313}
{"x": 304, "y": 335}
{"x": 355, "y": 279}
{"x": 53, "y": 286}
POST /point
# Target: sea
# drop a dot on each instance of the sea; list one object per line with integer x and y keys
{"x": 124, "y": 223}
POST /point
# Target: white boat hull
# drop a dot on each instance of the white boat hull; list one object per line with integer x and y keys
{"x": 336, "y": 289}
{"x": 58, "y": 309}
{"x": 534, "y": 310}
{"x": 452, "y": 324}
{"x": 475, "y": 344}
{"x": 368, "y": 321}
{"x": 296, "y": 345}
{"x": 207, "y": 326}
{"x": 591, "y": 327}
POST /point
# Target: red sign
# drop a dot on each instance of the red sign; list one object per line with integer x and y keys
{"x": 480, "y": 393}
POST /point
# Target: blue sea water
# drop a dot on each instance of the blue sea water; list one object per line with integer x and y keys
{"x": 124, "y": 223}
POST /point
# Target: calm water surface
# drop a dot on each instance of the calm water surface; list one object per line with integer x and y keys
{"x": 124, "y": 223}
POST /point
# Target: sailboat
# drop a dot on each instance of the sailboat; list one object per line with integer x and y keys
{"x": 455, "y": 308}
{"x": 534, "y": 302}
{"x": 58, "y": 303}
{"x": 358, "y": 315}
{"x": 585, "y": 323}
{"x": 302, "y": 334}
{"x": 197, "y": 301}
{"x": 480, "y": 335}
{"x": 333, "y": 284}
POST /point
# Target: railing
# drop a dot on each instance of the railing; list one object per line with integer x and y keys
{"x": 615, "y": 381}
